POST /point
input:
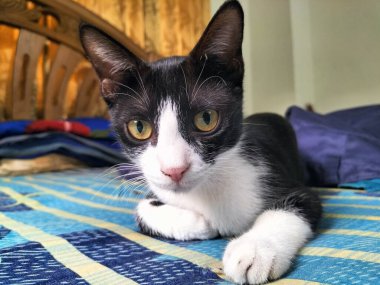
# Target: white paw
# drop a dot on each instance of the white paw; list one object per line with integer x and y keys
{"x": 249, "y": 260}
{"x": 172, "y": 222}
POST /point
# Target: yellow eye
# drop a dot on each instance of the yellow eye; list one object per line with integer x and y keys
{"x": 139, "y": 129}
{"x": 206, "y": 121}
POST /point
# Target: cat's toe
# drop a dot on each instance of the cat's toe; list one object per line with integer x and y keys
{"x": 251, "y": 261}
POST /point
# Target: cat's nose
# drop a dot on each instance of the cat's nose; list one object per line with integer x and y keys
{"x": 175, "y": 173}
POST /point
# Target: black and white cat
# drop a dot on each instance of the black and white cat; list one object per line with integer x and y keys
{"x": 212, "y": 173}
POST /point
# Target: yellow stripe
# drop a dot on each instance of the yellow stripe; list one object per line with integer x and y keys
{"x": 68, "y": 255}
{"x": 289, "y": 281}
{"x": 85, "y": 190}
{"x": 98, "y": 179}
{"x": 73, "y": 199}
{"x": 336, "y": 190}
{"x": 341, "y": 253}
{"x": 351, "y": 206}
{"x": 194, "y": 257}
{"x": 356, "y": 217}
{"x": 355, "y": 197}
{"x": 350, "y": 233}
{"x": 54, "y": 179}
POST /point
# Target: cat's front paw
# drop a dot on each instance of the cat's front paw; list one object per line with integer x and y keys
{"x": 158, "y": 219}
{"x": 144, "y": 209}
{"x": 249, "y": 260}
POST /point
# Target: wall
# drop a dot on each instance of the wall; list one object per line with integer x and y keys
{"x": 346, "y": 52}
{"x": 320, "y": 52}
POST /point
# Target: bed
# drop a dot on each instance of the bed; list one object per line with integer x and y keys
{"x": 59, "y": 228}
{"x": 74, "y": 227}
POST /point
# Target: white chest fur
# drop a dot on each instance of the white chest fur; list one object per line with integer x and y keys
{"x": 228, "y": 198}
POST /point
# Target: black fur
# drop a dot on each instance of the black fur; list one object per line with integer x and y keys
{"x": 156, "y": 203}
{"x": 210, "y": 77}
{"x": 270, "y": 139}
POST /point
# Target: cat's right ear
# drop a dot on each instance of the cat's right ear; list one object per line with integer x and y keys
{"x": 112, "y": 61}
{"x": 223, "y": 37}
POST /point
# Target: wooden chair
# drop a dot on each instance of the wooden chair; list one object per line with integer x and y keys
{"x": 49, "y": 76}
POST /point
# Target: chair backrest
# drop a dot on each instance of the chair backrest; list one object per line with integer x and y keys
{"x": 49, "y": 76}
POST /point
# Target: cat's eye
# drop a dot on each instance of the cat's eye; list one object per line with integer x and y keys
{"x": 206, "y": 121}
{"x": 139, "y": 129}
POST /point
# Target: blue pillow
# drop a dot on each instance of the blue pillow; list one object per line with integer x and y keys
{"x": 339, "y": 147}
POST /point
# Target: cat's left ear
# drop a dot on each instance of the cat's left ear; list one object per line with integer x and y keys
{"x": 108, "y": 57}
{"x": 114, "y": 64}
{"x": 223, "y": 37}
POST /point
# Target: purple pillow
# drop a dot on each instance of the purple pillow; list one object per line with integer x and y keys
{"x": 338, "y": 147}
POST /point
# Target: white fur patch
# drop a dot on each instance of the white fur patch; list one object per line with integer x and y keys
{"x": 171, "y": 151}
{"x": 265, "y": 252}
{"x": 173, "y": 222}
{"x": 227, "y": 193}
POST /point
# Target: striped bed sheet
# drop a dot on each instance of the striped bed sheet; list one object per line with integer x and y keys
{"x": 72, "y": 228}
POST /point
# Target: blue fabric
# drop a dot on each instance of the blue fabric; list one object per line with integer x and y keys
{"x": 96, "y": 126}
{"x": 76, "y": 214}
{"x": 99, "y": 152}
{"x": 340, "y": 147}
{"x": 11, "y": 128}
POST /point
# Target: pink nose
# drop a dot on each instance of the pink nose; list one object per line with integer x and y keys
{"x": 176, "y": 173}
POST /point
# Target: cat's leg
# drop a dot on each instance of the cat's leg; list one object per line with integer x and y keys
{"x": 156, "y": 218}
{"x": 266, "y": 251}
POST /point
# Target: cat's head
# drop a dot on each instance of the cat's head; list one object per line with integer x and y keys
{"x": 176, "y": 116}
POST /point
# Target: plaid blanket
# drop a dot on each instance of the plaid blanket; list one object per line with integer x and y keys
{"x": 72, "y": 228}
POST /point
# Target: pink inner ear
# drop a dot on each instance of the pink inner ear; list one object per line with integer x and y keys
{"x": 108, "y": 89}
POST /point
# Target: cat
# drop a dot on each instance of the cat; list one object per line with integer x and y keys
{"x": 211, "y": 172}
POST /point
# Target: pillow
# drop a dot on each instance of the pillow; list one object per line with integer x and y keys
{"x": 339, "y": 147}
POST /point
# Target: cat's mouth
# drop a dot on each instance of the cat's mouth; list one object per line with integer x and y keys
{"x": 174, "y": 186}
{"x": 186, "y": 184}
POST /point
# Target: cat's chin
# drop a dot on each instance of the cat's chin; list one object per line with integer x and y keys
{"x": 173, "y": 187}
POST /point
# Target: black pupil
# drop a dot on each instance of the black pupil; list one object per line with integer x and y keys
{"x": 206, "y": 117}
{"x": 139, "y": 126}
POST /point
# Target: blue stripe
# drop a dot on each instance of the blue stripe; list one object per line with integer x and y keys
{"x": 347, "y": 201}
{"x": 125, "y": 220}
{"x": 351, "y": 211}
{"x": 106, "y": 185}
{"x": 136, "y": 262}
{"x": 10, "y": 238}
{"x": 214, "y": 248}
{"x": 350, "y": 224}
{"x": 48, "y": 223}
{"x": 71, "y": 207}
{"x": 335, "y": 271}
{"x": 31, "y": 262}
{"x": 79, "y": 194}
{"x": 367, "y": 244}
{"x": 343, "y": 192}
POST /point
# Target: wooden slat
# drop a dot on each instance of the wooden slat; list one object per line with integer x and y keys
{"x": 21, "y": 90}
{"x": 69, "y": 15}
{"x": 133, "y": 20}
{"x": 62, "y": 68}
{"x": 88, "y": 93}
